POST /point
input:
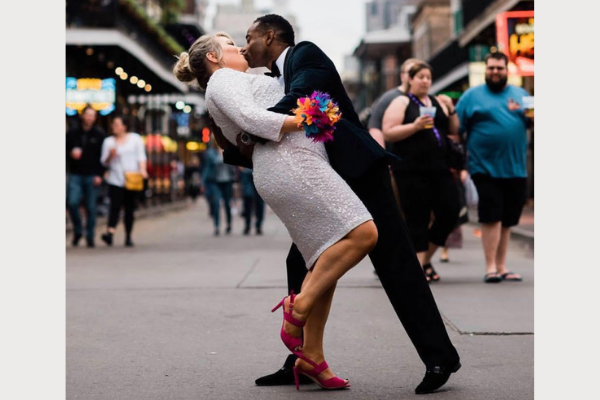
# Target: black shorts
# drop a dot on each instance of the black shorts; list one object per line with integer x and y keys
{"x": 500, "y": 199}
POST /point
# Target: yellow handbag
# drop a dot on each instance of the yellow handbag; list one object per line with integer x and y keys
{"x": 134, "y": 181}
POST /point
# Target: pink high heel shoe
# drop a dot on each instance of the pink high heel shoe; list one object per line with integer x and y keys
{"x": 294, "y": 344}
{"x": 329, "y": 384}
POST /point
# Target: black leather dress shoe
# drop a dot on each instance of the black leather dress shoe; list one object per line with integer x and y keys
{"x": 285, "y": 376}
{"x": 435, "y": 378}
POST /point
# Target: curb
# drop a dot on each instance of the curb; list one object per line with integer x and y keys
{"x": 520, "y": 235}
{"x": 517, "y": 233}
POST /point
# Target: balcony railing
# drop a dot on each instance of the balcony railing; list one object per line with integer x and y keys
{"x": 128, "y": 16}
{"x": 447, "y": 59}
{"x": 91, "y": 13}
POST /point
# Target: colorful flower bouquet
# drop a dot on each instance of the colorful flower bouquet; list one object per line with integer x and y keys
{"x": 317, "y": 115}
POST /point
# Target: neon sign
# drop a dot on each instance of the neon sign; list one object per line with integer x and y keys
{"x": 100, "y": 94}
{"x": 514, "y": 33}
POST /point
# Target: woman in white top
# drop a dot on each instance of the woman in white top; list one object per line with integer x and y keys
{"x": 122, "y": 152}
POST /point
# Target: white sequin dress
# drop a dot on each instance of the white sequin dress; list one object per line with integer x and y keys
{"x": 291, "y": 172}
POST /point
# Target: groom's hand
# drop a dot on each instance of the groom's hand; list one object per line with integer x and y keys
{"x": 245, "y": 149}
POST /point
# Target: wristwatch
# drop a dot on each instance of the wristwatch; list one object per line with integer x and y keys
{"x": 246, "y": 139}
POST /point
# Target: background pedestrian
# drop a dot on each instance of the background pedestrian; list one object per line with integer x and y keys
{"x": 495, "y": 125}
{"x": 382, "y": 102}
{"x": 193, "y": 178}
{"x": 455, "y": 239}
{"x": 123, "y": 152}
{"x": 84, "y": 178}
{"x": 219, "y": 177}
{"x": 254, "y": 205}
{"x": 378, "y": 110}
{"x": 425, "y": 184}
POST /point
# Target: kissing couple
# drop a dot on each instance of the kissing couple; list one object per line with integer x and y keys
{"x": 334, "y": 197}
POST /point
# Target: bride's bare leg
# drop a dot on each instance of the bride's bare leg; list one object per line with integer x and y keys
{"x": 314, "y": 333}
{"x": 333, "y": 264}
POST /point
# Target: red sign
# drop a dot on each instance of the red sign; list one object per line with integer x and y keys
{"x": 514, "y": 33}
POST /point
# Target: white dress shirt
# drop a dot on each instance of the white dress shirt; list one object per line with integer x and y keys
{"x": 280, "y": 61}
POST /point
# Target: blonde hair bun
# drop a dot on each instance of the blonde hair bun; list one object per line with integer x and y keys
{"x": 182, "y": 69}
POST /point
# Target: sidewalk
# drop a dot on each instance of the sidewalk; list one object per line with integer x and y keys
{"x": 186, "y": 315}
{"x": 522, "y": 232}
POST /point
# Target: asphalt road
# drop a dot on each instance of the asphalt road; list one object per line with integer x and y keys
{"x": 185, "y": 315}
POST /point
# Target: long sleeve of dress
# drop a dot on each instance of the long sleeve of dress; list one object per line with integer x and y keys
{"x": 231, "y": 93}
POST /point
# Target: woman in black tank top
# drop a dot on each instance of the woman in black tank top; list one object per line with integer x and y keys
{"x": 425, "y": 183}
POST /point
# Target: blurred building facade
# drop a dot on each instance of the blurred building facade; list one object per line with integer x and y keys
{"x": 453, "y": 36}
{"x": 385, "y": 14}
{"x": 119, "y": 59}
{"x": 387, "y": 43}
{"x": 235, "y": 19}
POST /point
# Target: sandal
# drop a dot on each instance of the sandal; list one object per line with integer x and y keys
{"x": 313, "y": 374}
{"x": 492, "y": 277}
{"x": 430, "y": 273}
{"x": 514, "y": 278}
{"x": 293, "y": 343}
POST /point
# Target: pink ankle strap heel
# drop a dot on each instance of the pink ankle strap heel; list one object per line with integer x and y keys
{"x": 329, "y": 384}
{"x": 294, "y": 344}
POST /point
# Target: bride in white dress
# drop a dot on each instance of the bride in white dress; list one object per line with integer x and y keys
{"x": 330, "y": 225}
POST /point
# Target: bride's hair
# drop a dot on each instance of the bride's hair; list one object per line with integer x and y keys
{"x": 192, "y": 65}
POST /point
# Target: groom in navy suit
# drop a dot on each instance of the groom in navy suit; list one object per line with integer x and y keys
{"x": 363, "y": 164}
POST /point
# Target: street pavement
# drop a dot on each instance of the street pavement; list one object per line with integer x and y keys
{"x": 186, "y": 315}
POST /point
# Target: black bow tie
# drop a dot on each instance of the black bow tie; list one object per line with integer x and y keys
{"x": 274, "y": 71}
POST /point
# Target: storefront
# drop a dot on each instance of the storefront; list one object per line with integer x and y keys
{"x": 119, "y": 60}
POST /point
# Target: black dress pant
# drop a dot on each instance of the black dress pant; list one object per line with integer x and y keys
{"x": 398, "y": 268}
{"x": 423, "y": 193}
{"x": 121, "y": 198}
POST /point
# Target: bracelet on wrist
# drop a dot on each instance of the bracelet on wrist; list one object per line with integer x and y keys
{"x": 246, "y": 139}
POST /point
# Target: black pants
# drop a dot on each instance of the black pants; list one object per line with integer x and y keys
{"x": 398, "y": 268}
{"x": 254, "y": 205}
{"x": 121, "y": 198}
{"x": 423, "y": 193}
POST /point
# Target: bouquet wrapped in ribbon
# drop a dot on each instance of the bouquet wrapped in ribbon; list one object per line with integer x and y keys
{"x": 317, "y": 115}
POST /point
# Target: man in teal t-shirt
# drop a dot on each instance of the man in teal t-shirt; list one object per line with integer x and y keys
{"x": 496, "y": 129}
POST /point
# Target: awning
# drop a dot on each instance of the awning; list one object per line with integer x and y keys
{"x": 112, "y": 37}
{"x": 377, "y": 43}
